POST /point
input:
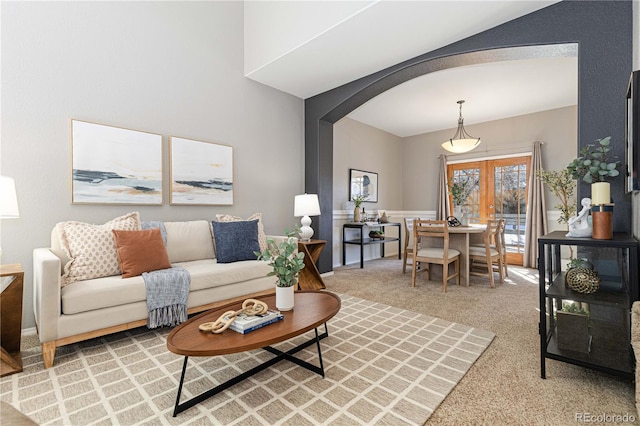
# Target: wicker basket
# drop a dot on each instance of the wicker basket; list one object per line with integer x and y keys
{"x": 583, "y": 280}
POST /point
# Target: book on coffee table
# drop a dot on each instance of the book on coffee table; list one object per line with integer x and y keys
{"x": 245, "y": 323}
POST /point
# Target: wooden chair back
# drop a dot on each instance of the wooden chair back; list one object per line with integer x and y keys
{"x": 489, "y": 253}
{"x": 441, "y": 255}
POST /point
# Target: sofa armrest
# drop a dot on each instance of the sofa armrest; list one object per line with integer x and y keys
{"x": 46, "y": 293}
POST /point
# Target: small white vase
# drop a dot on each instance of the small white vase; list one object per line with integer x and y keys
{"x": 284, "y": 298}
{"x": 461, "y": 214}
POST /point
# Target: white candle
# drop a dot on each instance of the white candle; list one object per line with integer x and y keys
{"x": 600, "y": 193}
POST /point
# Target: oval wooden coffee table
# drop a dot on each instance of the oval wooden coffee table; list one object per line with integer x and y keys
{"x": 312, "y": 309}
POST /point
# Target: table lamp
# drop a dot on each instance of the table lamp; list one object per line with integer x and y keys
{"x": 306, "y": 205}
{"x": 8, "y": 200}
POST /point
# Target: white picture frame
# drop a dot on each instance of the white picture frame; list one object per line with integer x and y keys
{"x": 112, "y": 165}
{"x": 201, "y": 173}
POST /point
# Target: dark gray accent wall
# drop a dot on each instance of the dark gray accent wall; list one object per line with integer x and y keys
{"x": 603, "y": 32}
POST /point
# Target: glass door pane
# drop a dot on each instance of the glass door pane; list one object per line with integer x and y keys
{"x": 499, "y": 191}
{"x": 510, "y": 202}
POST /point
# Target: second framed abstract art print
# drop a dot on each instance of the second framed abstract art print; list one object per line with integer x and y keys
{"x": 201, "y": 172}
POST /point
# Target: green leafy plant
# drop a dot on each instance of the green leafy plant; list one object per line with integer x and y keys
{"x": 359, "y": 199}
{"x": 562, "y": 185}
{"x": 284, "y": 258}
{"x": 575, "y": 263}
{"x": 574, "y": 308}
{"x": 461, "y": 189}
{"x": 594, "y": 164}
{"x": 376, "y": 234}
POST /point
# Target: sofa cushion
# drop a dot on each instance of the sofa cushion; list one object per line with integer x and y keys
{"x": 92, "y": 248}
{"x": 236, "y": 241}
{"x": 190, "y": 240}
{"x": 140, "y": 251}
{"x": 114, "y": 291}
{"x": 262, "y": 238}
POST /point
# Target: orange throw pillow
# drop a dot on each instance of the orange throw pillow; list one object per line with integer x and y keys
{"x": 140, "y": 251}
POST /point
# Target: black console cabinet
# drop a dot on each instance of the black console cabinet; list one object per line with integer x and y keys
{"x": 607, "y": 346}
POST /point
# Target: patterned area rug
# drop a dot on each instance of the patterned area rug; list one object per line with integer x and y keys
{"x": 383, "y": 365}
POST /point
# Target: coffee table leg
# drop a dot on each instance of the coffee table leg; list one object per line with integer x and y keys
{"x": 237, "y": 379}
{"x": 184, "y": 370}
{"x": 319, "y": 351}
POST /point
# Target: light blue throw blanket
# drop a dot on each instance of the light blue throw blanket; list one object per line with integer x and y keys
{"x": 167, "y": 292}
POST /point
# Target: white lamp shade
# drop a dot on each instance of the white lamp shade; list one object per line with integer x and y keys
{"x": 459, "y": 146}
{"x": 306, "y": 205}
{"x": 8, "y": 198}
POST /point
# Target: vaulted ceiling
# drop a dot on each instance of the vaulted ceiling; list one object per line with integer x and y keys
{"x": 306, "y": 48}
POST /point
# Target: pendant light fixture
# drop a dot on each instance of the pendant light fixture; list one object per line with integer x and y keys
{"x": 461, "y": 141}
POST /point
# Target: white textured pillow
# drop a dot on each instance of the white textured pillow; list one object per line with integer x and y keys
{"x": 189, "y": 241}
{"x": 92, "y": 248}
{"x": 262, "y": 238}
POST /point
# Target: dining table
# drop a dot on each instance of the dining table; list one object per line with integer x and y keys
{"x": 461, "y": 238}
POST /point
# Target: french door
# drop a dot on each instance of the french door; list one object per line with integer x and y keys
{"x": 499, "y": 191}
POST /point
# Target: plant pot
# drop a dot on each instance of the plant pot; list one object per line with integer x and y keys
{"x": 356, "y": 215}
{"x": 572, "y": 332}
{"x": 285, "y": 298}
{"x": 602, "y": 218}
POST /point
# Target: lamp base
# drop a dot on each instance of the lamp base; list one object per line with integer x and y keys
{"x": 306, "y": 231}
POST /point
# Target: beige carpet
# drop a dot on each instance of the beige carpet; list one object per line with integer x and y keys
{"x": 504, "y": 386}
{"x": 384, "y": 365}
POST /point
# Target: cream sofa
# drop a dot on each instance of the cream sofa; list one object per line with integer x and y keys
{"x": 82, "y": 310}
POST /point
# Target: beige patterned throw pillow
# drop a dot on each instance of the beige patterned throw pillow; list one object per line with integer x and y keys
{"x": 262, "y": 238}
{"x": 92, "y": 248}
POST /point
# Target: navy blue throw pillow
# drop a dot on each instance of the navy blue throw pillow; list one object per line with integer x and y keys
{"x": 236, "y": 241}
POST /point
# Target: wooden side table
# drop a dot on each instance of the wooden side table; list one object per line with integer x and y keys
{"x": 310, "y": 278}
{"x": 11, "y": 318}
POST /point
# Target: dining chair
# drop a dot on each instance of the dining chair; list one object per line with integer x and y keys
{"x": 407, "y": 254}
{"x": 502, "y": 247}
{"x": 488, "y": 254}
{"x": 434, "y": 229}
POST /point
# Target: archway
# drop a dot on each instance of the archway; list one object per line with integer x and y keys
{"x": 604, "y": 66}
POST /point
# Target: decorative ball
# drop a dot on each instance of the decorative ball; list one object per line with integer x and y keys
{"x": 583, "y": 280}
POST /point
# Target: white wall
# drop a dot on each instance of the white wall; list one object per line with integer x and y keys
{"x": 360, "y": 146}
{"x": 172, "y": 68}
{"x": 557, "y": 129}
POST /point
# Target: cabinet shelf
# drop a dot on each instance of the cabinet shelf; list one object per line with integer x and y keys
{"x": 609, "y": 350}
{"x": 363, "y": 240}
{"x": 367, "y": 240}
{"x": 609, "y": 293}
{"x": 606, "y": 345}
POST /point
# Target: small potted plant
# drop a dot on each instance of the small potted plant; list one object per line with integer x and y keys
{"x": 357, "y": 201}
{"x": 572, "y": 328}
{"x": 562, "y": 185}
{"x": 594, "y": 164}
{"x": 460, "y": 191}
{"x": 287, "y": 263}
{"x": 376, "y": 234}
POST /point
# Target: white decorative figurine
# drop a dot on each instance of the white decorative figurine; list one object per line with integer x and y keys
{"x": 580, "y": 226}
